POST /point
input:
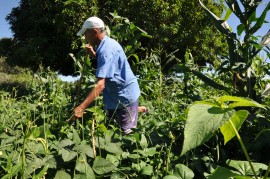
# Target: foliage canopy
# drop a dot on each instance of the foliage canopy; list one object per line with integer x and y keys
{"x": 45, "y": 31}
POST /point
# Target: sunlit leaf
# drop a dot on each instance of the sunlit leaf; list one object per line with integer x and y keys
{"x": 62, "y": 174}
{"x": 237, "y": 119}
{"x": 239, "y": 102}
{"x": 147, "y": 170}
{"x": 203, "y": 121}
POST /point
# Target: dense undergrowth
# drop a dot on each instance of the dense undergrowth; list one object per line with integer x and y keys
{"x": 37, "y": 142}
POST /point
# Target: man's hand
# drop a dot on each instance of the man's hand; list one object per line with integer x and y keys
{"x": 78, "y": 112}
{"x": 90, "y": 50}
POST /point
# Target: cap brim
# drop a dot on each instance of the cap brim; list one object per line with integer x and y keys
{"x": 81, "y": 32}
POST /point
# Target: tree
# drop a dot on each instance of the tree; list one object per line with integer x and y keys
{"x": 243, "y": 61}
{"x": 174, "y": 25}
{"x": 45, "y": 31}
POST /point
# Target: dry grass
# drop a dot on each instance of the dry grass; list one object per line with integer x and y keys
{"x": 13, "y": 76}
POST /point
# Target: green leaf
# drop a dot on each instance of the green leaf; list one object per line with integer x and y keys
{"x": 76, "y": 137}
{"x": 260, "y": 21}
{"x": 113, "y": 159}
{"x": 203, "y": 120}
{"x": 228, "y": 14}
{"x": 239, "y": 102}
{"x": 68, "y": 155}
{"x": 221, "y": 25}
{"x": 83, "y": 167}
{"x": 147, "y": 170}
{"x": 170, "y": 177}
{"x": 148, "y": 152}
{"x": 240, "y": 29}
{"x": 41, "y": 173}
{"x": 84, "y": 148}
{"x": 222, "y": 173}
{"x": 244, "y": 168}
{"x": 118, "y": 175}
{"x": 143, "y": 141}
{"x": 237, "y": 119}
{"x": 62, "y": 174}
{"x": 114, "y": 148}
{"x": 183, "y": 172}
{"x": 66, "y": 142}
{"x": 102, "y": 166}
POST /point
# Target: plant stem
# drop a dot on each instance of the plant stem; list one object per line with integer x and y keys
{"x": 267, "y": 172}
{"x": 93, "y": 138}
{"x": 244, "y": 149}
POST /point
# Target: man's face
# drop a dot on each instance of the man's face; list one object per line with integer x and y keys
{"x": 90, "y": 36}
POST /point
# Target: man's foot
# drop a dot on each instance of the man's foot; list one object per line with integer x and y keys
{"x": 143, "y": 109}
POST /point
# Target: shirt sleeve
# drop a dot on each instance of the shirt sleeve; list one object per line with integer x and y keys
{"x": 105, "y": 66}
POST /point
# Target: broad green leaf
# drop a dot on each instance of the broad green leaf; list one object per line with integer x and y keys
{"x": 85, "y": 148}
{"x": 83, "y": 167}
{"x": 102, "y": 166}
{"x": 62, "y": 174}
{"x": 113, "y": 159}
{"x": 244, "y": 168}
{"x": 183, "y": 172}
{"x": 76, "y": 137}
{"x": 237, "y": 119}
{"x": 239, "y": 102}
{"x": 68, "y": 155}
{"x": 242, "y": 177}
{"x": 114, "y": 148}
{"x": 66, "y": 142}
{"x": 143, "y": 141}
{"x": 138, "y": 166}
{"x": 148, "y": 152}
{"x": 118, "y": 175}
{"x": 170, "y": 177}
{"x": 222, "y": 173}
{"x": 80, "y": 176}
{"x": 203, "y": 121}
{"x": 147, "y": 170}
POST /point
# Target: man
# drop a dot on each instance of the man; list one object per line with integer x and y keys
{"x": 114, "y": 77}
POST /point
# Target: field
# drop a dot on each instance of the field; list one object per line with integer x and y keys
{"x": 37, "y": 142}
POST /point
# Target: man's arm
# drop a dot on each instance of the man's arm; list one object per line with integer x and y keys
{"x": 96, "y": 91}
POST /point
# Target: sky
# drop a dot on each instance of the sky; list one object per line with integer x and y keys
{"x": 7, "y": 5}
{"x": 5, "y": 9}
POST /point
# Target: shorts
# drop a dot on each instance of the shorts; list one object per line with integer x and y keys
{"x": 127, "y": 117}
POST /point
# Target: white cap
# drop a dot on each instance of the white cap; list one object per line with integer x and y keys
{"x": 91, "y": 23}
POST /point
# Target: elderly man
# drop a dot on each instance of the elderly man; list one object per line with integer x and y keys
{"x": 114, "y": 77}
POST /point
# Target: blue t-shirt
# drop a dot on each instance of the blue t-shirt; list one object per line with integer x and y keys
{"x": 121, "y": 85}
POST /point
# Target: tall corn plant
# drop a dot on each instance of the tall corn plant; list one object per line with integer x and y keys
{"x": 242, "y": 51}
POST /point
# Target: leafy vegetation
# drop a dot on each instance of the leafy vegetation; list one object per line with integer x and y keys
{"x": 49, "y": 34}
{"x": 201, "y": 123}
